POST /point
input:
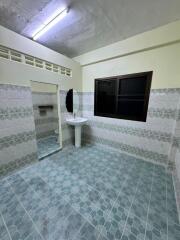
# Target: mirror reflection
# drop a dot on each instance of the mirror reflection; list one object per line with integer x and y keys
{"x": 46, "y": 118}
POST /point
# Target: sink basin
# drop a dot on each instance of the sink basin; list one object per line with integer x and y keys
{"x": 77, "y": 123}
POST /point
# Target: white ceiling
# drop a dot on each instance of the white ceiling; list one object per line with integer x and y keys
{"x": 90, "y": 24}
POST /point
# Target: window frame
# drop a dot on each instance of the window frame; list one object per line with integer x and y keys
{"x": 146, "y": 75}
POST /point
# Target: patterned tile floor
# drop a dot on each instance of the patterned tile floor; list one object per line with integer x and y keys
{"x": 47, "y": 146}
{"x": 89, "y": 194}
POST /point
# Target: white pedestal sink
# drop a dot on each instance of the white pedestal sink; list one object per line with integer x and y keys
{"x": 77, "y": 123}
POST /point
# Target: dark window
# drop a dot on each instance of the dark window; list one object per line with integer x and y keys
{"x": 124, "y": 97}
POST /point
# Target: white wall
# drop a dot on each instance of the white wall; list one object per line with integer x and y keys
{"x": 18, "y": 74}
{"x": 43, "y": 87}
{"x": 157, "y": 50}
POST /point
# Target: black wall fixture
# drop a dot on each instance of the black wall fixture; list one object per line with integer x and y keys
{"x": 69, "y": 100}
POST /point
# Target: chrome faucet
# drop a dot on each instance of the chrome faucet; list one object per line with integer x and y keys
{"x": 74, "y": 115}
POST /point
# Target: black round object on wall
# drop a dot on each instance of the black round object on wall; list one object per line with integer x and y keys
{"x": 69, "y": 100}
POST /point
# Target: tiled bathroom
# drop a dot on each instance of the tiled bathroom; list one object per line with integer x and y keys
{"x": 90, "y": 126}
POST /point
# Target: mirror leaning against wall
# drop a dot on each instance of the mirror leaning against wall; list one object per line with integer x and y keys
{"x": 45, "y": 101}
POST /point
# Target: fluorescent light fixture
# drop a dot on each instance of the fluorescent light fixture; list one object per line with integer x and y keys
{"x": 61, "y": 14}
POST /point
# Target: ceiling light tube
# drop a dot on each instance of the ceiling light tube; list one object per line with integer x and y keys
{"x": 51, "y": 23}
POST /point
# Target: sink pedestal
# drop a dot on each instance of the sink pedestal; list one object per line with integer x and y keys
{"x": 77, "y": 136}
{"x": 77, "y": 123}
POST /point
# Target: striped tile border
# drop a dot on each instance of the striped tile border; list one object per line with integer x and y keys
{"x": 152, "y": 112}
{"x": 162, "y": 113}
{"x": 44, "y": 134}
{"x": 6, "y": 169}
{"x": 41, "y": 121}
{"x": 166, "y": 90}
{"x": 15, "y": 139}
{"x": 159, "y": 158}
{"x": 15, "y": 113}
{"x": 44, "y": 93}
{"x": 170, "y": 166}
{"x": 156, "y": 135}
{"x": 176, "y": 142}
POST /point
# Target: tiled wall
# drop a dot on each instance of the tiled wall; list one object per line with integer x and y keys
{"x": 175, "y": 155}
{"x": 45, "y": 125}
{"x": 67, "y": 131}
{"x": 17, "y": 130}
{"x": 150, "y": 140}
